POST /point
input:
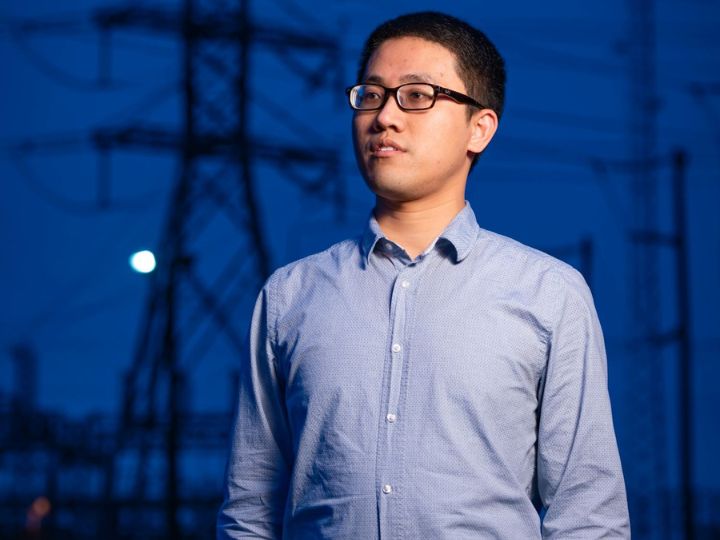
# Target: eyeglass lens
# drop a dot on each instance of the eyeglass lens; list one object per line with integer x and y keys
{"x": 412, "y": 96}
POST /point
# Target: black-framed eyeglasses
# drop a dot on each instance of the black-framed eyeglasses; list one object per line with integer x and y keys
{"x": 409, "y": 96}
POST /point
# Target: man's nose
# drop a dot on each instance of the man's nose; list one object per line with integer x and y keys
{"x": 390, "y": 114}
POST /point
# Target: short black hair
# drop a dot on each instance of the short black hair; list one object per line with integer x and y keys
{"x": 479, "y": 64}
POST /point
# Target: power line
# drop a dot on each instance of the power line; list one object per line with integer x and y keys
{"x": 151, "y": 100}
{"x": 57, "y": 24}
{"x": 568, "y": 119}
{"x": 300, "y": 14}
{"x": 57, "y": 74}
{"x": 80, "y": 208}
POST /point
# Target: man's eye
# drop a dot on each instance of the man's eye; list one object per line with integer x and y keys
{"x": 370, "y": 98}
{"x": 417, "y": 96}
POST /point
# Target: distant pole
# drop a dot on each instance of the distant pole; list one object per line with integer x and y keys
{"x": 24, "y": 398}
{"x": 684, "y": 354}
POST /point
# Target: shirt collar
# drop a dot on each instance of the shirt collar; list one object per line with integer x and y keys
{"x": 461, "y": 233}
{"x": 372, "y": 235}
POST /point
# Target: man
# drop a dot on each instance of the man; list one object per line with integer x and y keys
{"x": 429, "y": 380}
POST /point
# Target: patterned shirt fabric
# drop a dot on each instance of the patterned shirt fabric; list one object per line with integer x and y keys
{"x": 459, "y": 395}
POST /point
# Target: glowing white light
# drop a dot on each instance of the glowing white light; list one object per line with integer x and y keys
{"x": 143, "y": 261}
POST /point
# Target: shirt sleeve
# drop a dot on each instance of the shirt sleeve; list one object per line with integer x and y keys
{"x": 258, "y": 468}
{"x": 580, "y": 479}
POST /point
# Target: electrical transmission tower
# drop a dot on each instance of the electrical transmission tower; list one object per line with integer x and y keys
{"x": 191, "y": 300}
{"x": 648, "y": 476}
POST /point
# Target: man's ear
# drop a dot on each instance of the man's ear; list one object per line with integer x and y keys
{"x": 484, "y": 124}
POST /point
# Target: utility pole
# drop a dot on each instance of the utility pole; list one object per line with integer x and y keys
{"x": 679, "y": 337}
{"x": 685, "y": 371}
{"x": 217, "y": 151}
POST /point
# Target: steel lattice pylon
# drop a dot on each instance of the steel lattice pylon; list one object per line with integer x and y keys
{"x": 190, "y": 301}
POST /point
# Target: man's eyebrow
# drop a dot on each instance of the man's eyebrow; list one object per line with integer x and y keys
{"x": 417, "y": 77}
{"x": 410, "y": 77}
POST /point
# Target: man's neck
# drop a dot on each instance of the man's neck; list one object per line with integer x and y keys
{"x": 415, "y": 225}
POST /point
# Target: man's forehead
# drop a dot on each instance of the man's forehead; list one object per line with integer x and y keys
{"x": 432, "y": 65}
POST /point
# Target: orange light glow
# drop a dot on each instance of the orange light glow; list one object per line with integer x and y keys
{"x": 38, "y": 510}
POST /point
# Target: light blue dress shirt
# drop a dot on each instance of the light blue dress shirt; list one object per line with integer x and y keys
{"x": 460, "y": 395}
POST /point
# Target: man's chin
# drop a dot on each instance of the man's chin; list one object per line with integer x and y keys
{"x": 393, "y": 194}
{"x": 387, "y": 188}
{"x": 386, "y": 175}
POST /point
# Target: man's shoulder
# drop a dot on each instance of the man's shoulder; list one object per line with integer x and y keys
{"x": 517, "y": 261}
{"x": 327, "y": 262}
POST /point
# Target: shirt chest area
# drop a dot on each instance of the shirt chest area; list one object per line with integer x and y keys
{"x": 412, "y": 333}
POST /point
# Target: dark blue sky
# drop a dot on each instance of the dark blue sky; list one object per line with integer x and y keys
{"x": 66, "y": 288}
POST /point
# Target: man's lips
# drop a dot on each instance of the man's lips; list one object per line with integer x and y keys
{"x": 385, "y": 147}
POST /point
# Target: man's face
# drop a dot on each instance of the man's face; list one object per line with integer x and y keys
{"x": 416, "y": 155}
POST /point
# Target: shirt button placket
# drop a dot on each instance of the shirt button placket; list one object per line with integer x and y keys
{"x": 393, "y": 447}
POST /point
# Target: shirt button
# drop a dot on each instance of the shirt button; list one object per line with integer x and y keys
{"x": 404, "y": 283}
{"x": 396, "y": 347}
{"x": 387, "y": 489}
{"x": 391, "y": 417}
